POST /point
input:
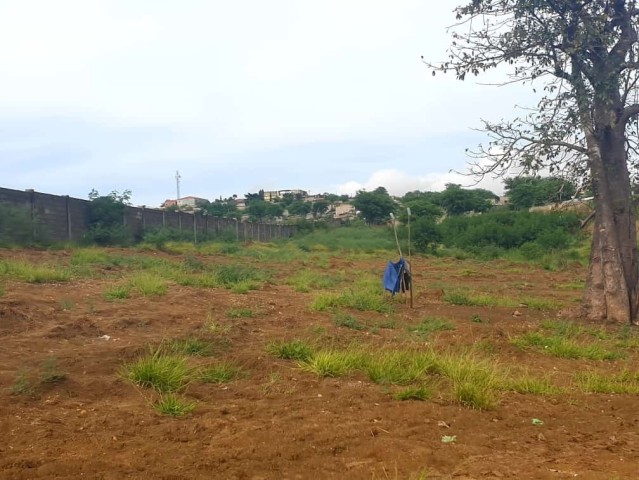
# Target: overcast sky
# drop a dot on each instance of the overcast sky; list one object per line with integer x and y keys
{"x": 326, "y": 96}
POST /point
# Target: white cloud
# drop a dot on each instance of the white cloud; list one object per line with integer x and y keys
{"x": 398, "y": 182}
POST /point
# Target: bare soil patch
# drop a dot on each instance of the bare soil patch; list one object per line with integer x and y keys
{"x": 276, "y": 421}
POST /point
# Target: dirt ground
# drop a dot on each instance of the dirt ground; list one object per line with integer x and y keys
{"x": 279, "y": 422}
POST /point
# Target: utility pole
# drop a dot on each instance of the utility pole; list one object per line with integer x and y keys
{"x": 177, "y": 181}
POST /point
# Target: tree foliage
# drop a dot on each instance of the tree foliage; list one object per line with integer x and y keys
{"x": 529, "y": 191}
{"x": 106, "y": 217}
{"x": 375, "y": 206}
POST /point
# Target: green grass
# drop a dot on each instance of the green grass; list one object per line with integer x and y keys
{"x": 308, "y": 280}
{"x": 51, "y": 372}
{"x": 397, "y": 367}
{"x": 565, "y": 347}
{"x": 212, "y": 326}
{"x": 354, "y": 239}
{"x": 221, "y": 372}
{"x": 414, "y": 393}
{"x": 290, "y": 350}
{"x": 93, "y": 256}
{"x": 240, "y": 312}
{"x": 22, "y": 385}
{"x": 326, "y": 301}
{"x": 625, "y": 382}
{"x": 330, "y": 363}
{"x": 149, "y": 284}
{"x": 429, "y": 325}
{"x": 362, "y": 299}
{"x": 160, "y": 371}
{"x": 342, "y": 319}
{"x": 117, "y": 292}
{"x": 30, "y": 273}
{"x": 475, "y": 381}
{"x": 240, "y": 277}
{"x": 174, "y": 406}
{"x": 486, "y": 300}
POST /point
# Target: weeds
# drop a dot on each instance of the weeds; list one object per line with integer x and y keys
{"x": 117, "y": 292}
{"x": 292, "y": 350}
{"x": 22, "y": 385}
{"x": 160, "y": 371}
{"x": 240, "y": 313}
{"x": 170, "y": 404}
{"x": 33, "y": 273}
{"x": 429, "y": 325}
{"x": 149, "y": 284}
{"x": 222, "y": 372}
{"x": 51, "y": 372}
{"x": 414, "y": 393}
{"x": 342, "y": 319}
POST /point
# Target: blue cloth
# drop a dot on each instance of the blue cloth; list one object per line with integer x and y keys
{"x": 393, "y": 274}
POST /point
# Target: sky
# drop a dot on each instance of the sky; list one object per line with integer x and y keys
{"x": 239, "y": 96}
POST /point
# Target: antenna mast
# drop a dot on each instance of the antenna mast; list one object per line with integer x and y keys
{"x": 177, "y": 181}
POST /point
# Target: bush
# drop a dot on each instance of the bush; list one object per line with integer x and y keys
{"x": 508, "y": 230}
{"x": 105, "y": 218}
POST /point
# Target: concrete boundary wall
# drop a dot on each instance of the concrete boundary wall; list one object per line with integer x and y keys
{"x": 63, "y": 218}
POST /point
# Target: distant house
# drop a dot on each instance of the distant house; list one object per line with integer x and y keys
{"x": 186, "y": 203}
{"x": 272, "y": 195}
{"x": 344, "y": 211}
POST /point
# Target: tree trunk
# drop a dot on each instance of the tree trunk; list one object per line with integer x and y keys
{"x": 611, "y": 292}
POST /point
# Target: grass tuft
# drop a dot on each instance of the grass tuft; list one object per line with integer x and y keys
{"x": 290, "y": 350}
{"x": 160, "y": 371}
{"x": 149, "y": 284}
{"x": 222, "y": 372}
{"x": 414, "y": 393}
{"x": 174, "y": 406}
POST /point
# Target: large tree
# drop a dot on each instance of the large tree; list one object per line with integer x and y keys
{"x": 582, "y": 58}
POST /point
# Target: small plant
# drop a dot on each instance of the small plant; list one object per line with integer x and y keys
{"x": 189, "y": 346}
{"x": 148, "y": 284}
{"x": 117, "y": 292}
{"x": 293, "y": 350}
{"x": 222, "y": 372}
{"x": 170, "y": 404}
{"x": 67, "y": 304}
{"x": 431, "y": 324}
{"x": 214, "y": 327}
{"x": 624, "y": 382}
{"x": 241, "y": 312}
{"x": 475, "y": 318}
{"x": 328, "y": 364}
{"x": 346, "y": 320}
{"x": 326, "y": 301}
{"x": 51, "y": 372}
{"x": 160, "y": 371}
{"x": 414, "y": 393}
{"x": 33, "y": 273}
{"x": 22, "y": 385}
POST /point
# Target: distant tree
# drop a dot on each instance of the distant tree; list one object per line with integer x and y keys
{"x": 260, "y": 210}
{"x": 319, "y": 207}
{"x": 299, "y": 207}
{"x": 458, "y": 201}
{"x": 344, "y": 198}
{"x": 420, "y": 208}
{"x": 105, "y": 217}
{"x": 375, "y": 206}
{"x": 529, "y": 191}
{"x": 226, "y": 208}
